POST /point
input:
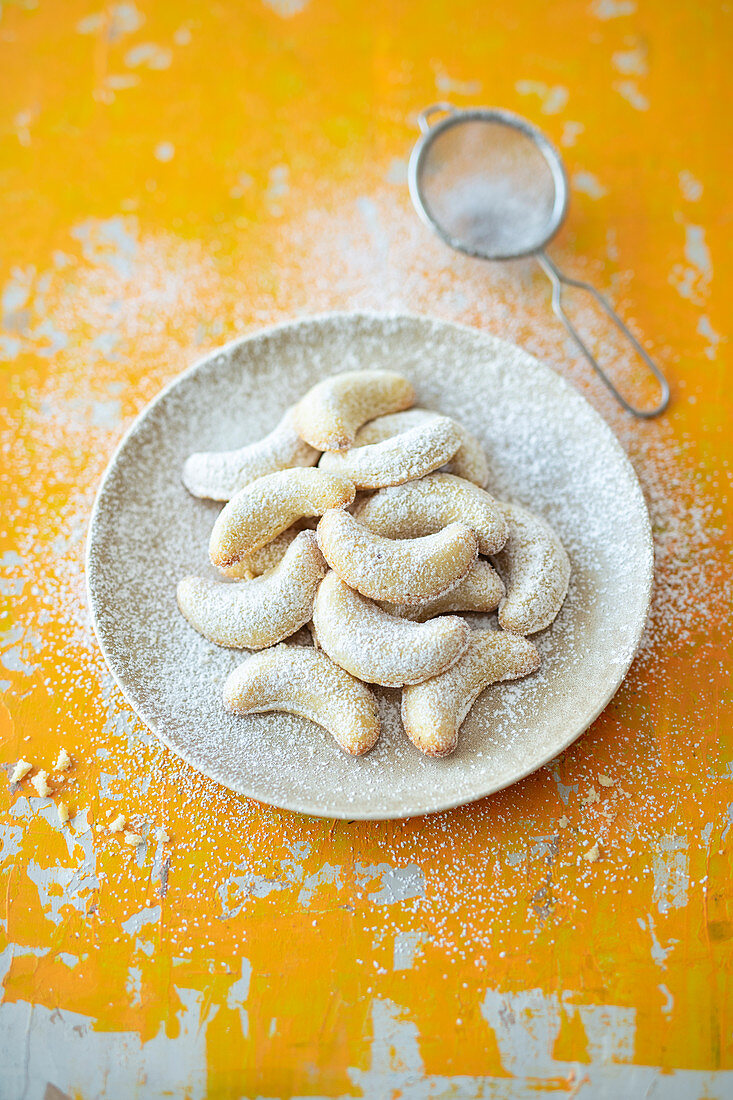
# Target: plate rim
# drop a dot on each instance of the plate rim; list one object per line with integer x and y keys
{"x": 379, "y": 316}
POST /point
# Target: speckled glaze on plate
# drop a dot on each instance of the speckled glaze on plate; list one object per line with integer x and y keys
{"x": 548, "y": 449}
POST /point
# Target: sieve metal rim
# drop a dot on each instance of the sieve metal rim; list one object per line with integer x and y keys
{"x": 454, "y": 117}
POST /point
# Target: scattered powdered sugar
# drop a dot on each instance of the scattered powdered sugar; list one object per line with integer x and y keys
{"x": 175, "y": 302}
{"x": 590, "y": 643}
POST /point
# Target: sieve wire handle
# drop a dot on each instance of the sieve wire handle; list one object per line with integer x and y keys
{"x": 559, "y": 280}
{"x": 423, "y": 119}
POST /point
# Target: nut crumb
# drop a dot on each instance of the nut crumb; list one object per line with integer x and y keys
{"x": 162, "y": 835}
{"x": 563, "y": 822}
{"x": 593, "y": 854}
{"x": 20, "y": 771}
{"x": 133, "y": 839}
{"x": 118, "y": 824}
{"x": 63, "y": 761}
{"x": 42, "y": 787}
{"x": 605, "y": 780}
{"x": 591, "y": 797}
{"x": 63, "y": 810}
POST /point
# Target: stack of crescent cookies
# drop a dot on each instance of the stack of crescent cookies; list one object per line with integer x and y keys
{"x": 369, "y": 519}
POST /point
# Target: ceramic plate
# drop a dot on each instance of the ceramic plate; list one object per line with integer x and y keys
{"x": 548, "y": 449}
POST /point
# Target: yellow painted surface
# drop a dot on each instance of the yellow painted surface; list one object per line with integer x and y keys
{"x": 176, "y": 174}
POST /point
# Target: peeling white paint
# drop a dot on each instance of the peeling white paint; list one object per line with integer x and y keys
{"x": 165, "y": 151}
{"x": 15, "y": 644}
{"x": 121, "y": 19}
{"x": 696, "y": 250}
{"x": 16, "y": 951}
{"x": 286, "y": 8}
{"x": 526, "y": 1025}
{"x": 448, "y": 85}
{"x": 588, "y": 184}
{"x": 382, "y": 883}
{"x": 238, "y": 994}
{"x": 670, "y": 871}
{"x": 571, "y": 131}
{"x": 693, "y": 281}
{"x": 11, "y": 837}
{"x": 39, "y": 1045}
{"x": 110, "y": 242}
{"x": 406, "y": 945}
{"x": 393, "y": 883}
{"x": 11, "y": 586}
{"x": 150, "y": 55}
{"x": 690, "y": 187}
{"x": 326, "y": 875}
{"x": 134, "y": 986}
{"x": 562, "y": 789}
{"x": 612, "y": 9}
{"x": 397, "y": 171}
{"x": 74, "y": 885}
{"x": 11, "y": 559}
{"x": 67, "y": 959}
{"x": 631, "y": 62}
{"x": 632, "y": 94}
{"x": 149, "y": 915}
{"x": 553, "y": 97}
{"x": 713, "y": 338}
{"x": 610, "y": 1031}
{"x": 657, "y": 951}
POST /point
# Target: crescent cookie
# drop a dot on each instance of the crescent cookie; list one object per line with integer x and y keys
{"x": 469, "y": 461}
{"x": 400, "y": 457}
{"x": 259, "y": 512}
{"x": 535, "y": 569}
{"x": 219, "y": 475}
{"x": 304, "y": 681}
{"x": 423, "y": 507}
{"x": 433, "y": 712}
{"x": 260, "y": 612}
{"x": 266, "y": 557}
{"x": 480, "y": 590}
{"x": 399, "y": 570}
{"x": 330, "y": 414}
{"x": 377, "y": 647}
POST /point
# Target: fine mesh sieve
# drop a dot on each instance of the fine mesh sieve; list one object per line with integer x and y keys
{"x": 491, "y": 185}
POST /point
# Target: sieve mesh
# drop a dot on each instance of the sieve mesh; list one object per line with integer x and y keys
{"x": 489, "y": 188}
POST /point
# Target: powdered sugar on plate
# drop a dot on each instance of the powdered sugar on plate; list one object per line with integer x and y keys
{"x": 547, "y": 449}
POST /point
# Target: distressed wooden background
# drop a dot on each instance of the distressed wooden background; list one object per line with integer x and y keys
{"x": 173, "y": 175}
